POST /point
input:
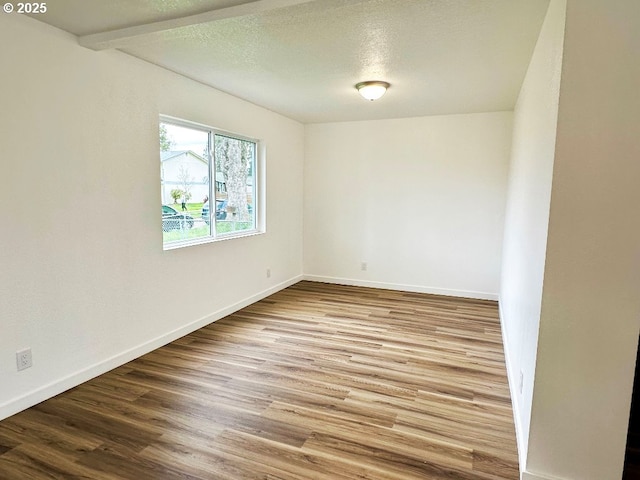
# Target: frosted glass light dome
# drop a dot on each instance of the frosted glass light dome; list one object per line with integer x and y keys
{"x": 372, "y": 90}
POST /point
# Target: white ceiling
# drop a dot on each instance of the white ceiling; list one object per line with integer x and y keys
{"x": 302, "y": 58}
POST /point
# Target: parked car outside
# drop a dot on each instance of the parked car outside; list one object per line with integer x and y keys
{"x": 221, "y": 210}
{"x": 173, "y": 220}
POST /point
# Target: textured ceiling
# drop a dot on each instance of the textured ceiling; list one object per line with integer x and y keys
{"x": 302, "y": 58}
{"x": 83, "y": 17}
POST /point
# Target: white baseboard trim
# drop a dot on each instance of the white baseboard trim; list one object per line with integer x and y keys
{"x": 513, "y": 380}
{"x": 58, "y": 386}
{"x": 536, "y": 476}
{"x": 402, "y": 287}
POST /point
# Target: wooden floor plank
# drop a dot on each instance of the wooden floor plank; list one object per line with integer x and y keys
{"x": 318, "y": 381}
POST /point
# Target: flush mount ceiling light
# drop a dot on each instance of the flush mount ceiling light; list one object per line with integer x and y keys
{"x": 372, "y": 90}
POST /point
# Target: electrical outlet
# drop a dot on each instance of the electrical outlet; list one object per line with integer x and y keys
{"x": 268, "y": 273}
{"x": 363, "y": 266}
{"x": 23, "y": 359}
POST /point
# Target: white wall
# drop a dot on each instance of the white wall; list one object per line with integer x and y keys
{"x": 420, "y": 200}
{"x": 527, "y": 214}
{"x": 590, "y": 313}
{"x": 89, "y": 292}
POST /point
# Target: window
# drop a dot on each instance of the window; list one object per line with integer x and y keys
{"x": 208, "y": 182}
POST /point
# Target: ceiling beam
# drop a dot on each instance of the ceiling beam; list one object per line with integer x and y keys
{"x": 125, "y": 36}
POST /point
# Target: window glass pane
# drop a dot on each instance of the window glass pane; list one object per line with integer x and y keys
{"x": 184, "y": 177}
{"x": 234, "y": 184}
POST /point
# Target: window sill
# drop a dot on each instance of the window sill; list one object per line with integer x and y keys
{"x": 200, "y": 241}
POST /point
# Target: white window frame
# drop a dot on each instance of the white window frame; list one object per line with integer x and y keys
{"x": 258, "y": 194}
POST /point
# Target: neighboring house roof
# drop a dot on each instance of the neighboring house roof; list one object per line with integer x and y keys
{"x": 170, "y": 154}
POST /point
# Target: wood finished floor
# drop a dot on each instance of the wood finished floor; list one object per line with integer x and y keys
{"x": 315, "y": 382}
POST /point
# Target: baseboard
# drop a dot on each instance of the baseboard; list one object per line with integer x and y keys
{"x": 535, "y": 476}
{"x": 58, "y": 386}
{"x": 402, "y": 287}
{"x": 513, "y": 379}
